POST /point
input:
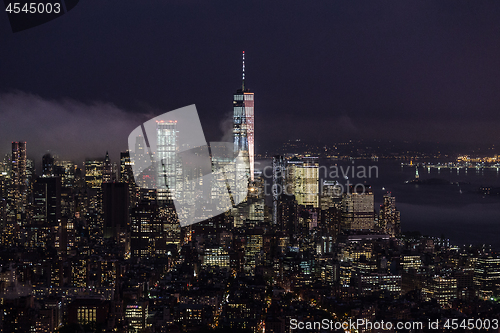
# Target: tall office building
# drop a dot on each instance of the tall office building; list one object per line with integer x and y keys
{"x": 19, "y": 180}
{"x": 224, "y": 159}
{"x": 389, "y": 218}
{"x": 46, "y": 210}
{"x": 127, "y": 175}
{"x": 358, "y": 209}
{"x": 6, "y": 164}
{"x": 251, "y": 212}
{"x": 115, "y": 203}
{"x": 302, "y": 180}
{"x": 47, "y": 165}
{"x": 330, "y": 195}
{"x": 47, "y": 201}
{"x": 126, "y": 172}
{"x": 487, "y": 276}
{"x": 3, "y": 196}
{"x": 136, "y": 315}
{"x": 146, "y": 180}
{"x": 288, "y": 213}
{"x": 93, "y": 173}
{"x": 216, "y": 256}
{"x": 243, "y": 124}
{"x": 66, "y": 170}
{"x": 278, "y": 183}
{"x": 167, "y": 148}
{"x": 152, "y": 230}
{"x": 443, "y": 289}
{"x": 30, "y": 178}
{"x": 107, "y": 170}
{"x": 140, "y": 150}
{"x": 171, "y": 230}
{"x": 253, "y": 250}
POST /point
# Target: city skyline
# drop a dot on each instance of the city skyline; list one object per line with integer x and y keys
{"x": 243, "y": 138}
{"x": 143, "y": 189}
{"x": 99, "y": 233}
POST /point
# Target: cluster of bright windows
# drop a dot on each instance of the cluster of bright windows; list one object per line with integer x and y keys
{"x": 86, "y": 315}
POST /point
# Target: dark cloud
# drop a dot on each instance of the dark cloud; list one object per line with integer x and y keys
{"x": 326, "y": 70}
{"x": 70, "y": 129}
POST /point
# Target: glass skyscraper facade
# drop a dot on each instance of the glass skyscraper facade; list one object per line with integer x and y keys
{"x": 167, "y": 167}
{"x": 19, "y": 188}
{"x": 278, "y": 183}
{"x": 243, "y": 124}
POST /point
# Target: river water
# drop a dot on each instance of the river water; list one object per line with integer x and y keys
{"x": 456, "y": 211}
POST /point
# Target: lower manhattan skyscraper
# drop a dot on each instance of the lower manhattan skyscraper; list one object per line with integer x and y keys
{"x": 243, "y": 123}
{"x": 278, "y": 183}
{"x": 19, "y": 185}
{"x": 166, "y": 136}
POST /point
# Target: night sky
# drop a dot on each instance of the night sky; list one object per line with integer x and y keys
{"x": 321, "y": 70}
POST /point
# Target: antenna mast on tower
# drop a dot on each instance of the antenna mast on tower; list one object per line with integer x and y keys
{"x": 243, "y": 77}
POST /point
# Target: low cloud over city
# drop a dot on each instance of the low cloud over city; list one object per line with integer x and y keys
{"x": 68, "y": 128}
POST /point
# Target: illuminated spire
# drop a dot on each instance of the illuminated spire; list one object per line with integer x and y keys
{"x": 243, "y": 77}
